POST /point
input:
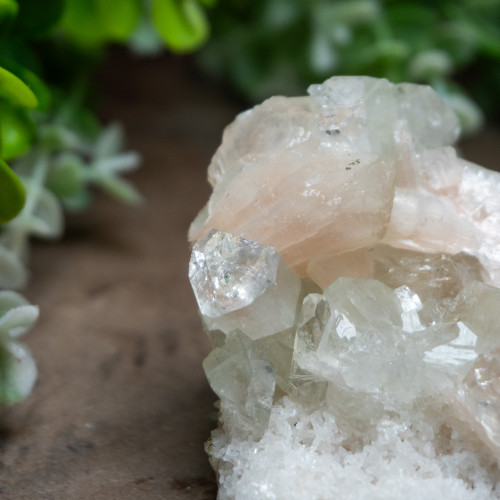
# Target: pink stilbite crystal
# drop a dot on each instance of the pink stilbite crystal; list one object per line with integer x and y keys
{"x": 347, "y": 268}
{"x": 358, "y": 162}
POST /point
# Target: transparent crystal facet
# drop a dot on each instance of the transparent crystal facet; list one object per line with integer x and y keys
{"x": 228, "y": 273}
{"x": 480, "y": 395}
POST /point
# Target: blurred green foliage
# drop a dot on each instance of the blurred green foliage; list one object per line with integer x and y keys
{"x": 15, "y": 134}
{"x": 11, "y": 193}
{"x": 47, "y": 52}
{"x": 55, "y": 146}
{"x": 266, "y": 47}
{"x": 181, "y": 25}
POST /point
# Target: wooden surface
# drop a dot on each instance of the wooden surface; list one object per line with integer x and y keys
{"x": 121, "y": 408}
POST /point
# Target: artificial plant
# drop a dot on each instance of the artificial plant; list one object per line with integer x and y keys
{"x": 52, "y": 147}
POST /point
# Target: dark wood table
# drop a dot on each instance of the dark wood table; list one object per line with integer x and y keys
{"x": 121, "y": 408}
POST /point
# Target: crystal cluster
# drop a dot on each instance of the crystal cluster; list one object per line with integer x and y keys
{"x": 346, "y": 269}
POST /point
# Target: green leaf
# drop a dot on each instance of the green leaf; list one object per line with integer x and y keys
{"x": 17, "y": 372}
{"x": 10, "y": 300}
{"x": 66, "y": 176}
{"x": 181, "y": 23}
{"x": 77, "y": 202}
{"x": 47, "y": 219}
{"x": 12, "y": 193}
{"x": 120, "y": 189}
{"x": 18, "y": 320}
{"x": 16, "y": 132}
{"x": 118, "y": 18}
{"x": 13, "y": 273}
{"x": 81, "y": 24}
{"x": 33, "y": 81}
{"x": 110, "y": 141}
{"x": 8, "y": 9}
{"x": 94, "y": 22}
{"x": 15, "y": 90}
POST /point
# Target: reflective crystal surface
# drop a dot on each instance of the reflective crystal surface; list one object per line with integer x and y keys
{"x": 355, "y": 321}
{"x": 229, "y": 273}
{"x": 480, "y": 395}
{"x": 435, "y": 275}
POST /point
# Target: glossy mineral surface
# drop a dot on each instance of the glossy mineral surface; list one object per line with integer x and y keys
{"x": 346, "y": 269}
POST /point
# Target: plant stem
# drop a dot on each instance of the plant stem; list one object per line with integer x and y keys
{"x": 19, "y": 231}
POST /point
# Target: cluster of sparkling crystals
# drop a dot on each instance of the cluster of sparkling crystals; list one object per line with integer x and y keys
{"x": 353, "y": 272}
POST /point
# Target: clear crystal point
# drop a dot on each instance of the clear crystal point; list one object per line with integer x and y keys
{"x": 228, "y": 273}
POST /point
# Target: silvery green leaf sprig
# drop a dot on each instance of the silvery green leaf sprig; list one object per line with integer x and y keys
{"x": 58, "y": 173}
{"x": 17, "y": 367}
{"x": 52, "y": 152}
{"x": 82, "y": 164}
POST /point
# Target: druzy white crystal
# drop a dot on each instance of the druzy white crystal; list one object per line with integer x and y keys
{"x": 350, "y": 292}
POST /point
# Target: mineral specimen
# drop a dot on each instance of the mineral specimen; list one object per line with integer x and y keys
{"x": 346, "y": 268}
